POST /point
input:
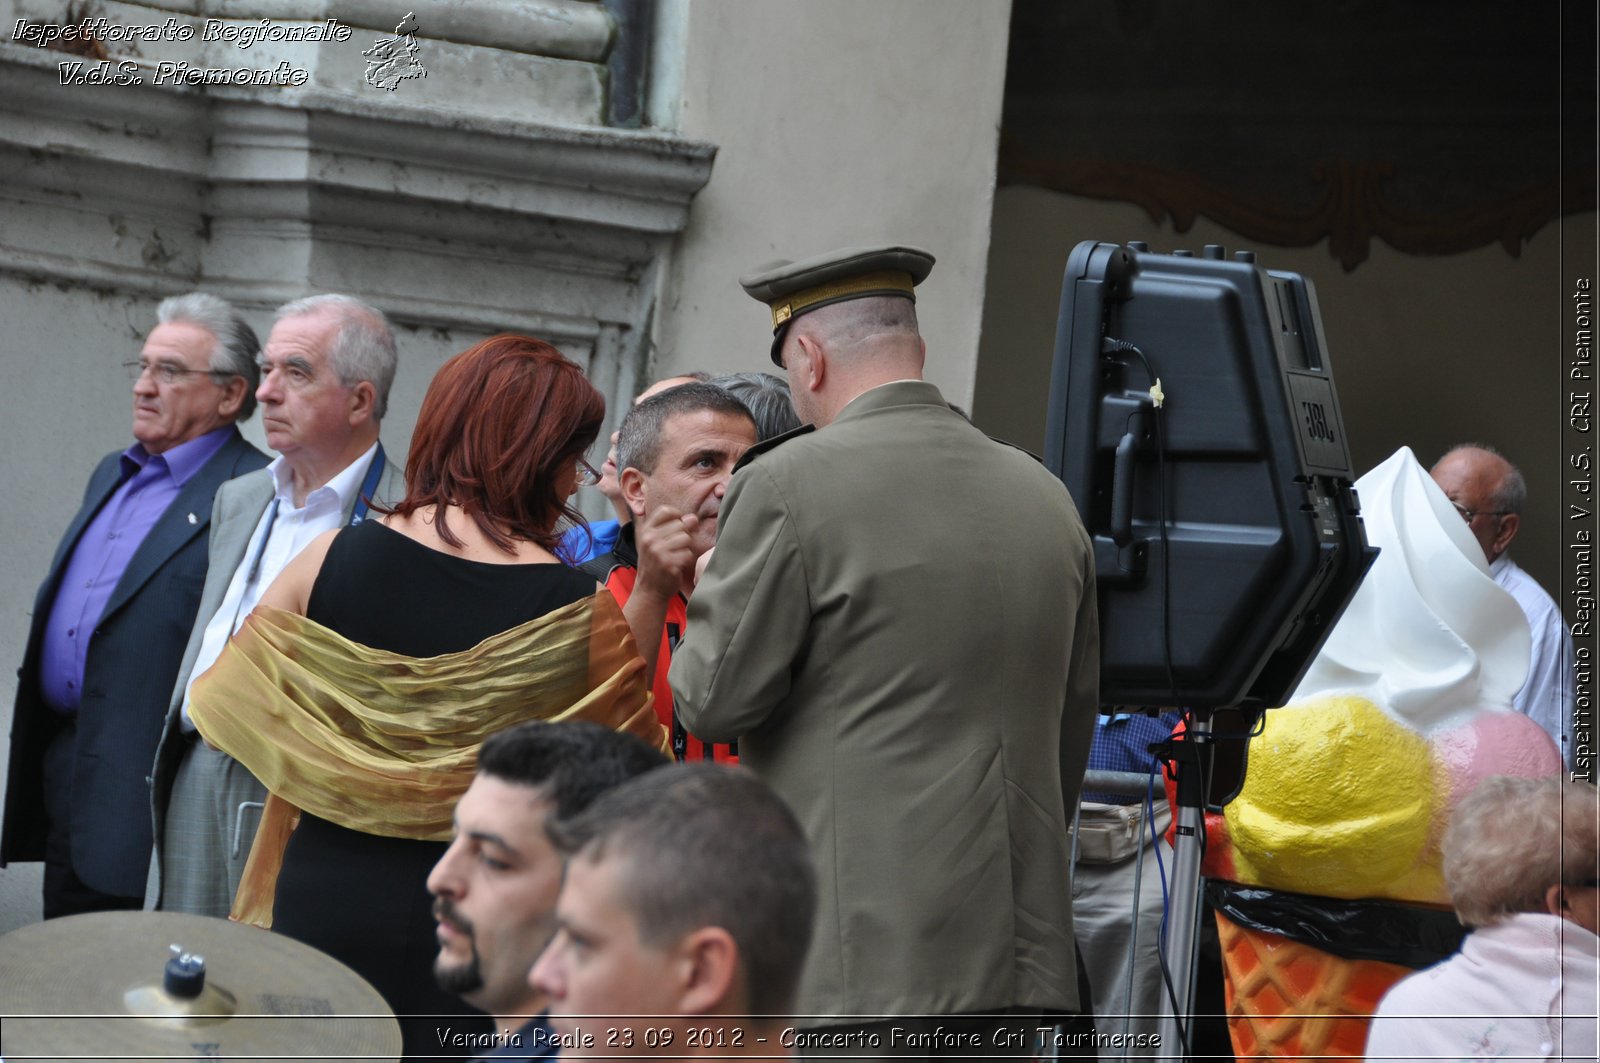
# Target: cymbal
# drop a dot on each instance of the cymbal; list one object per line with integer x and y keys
{"x": 107, "y": 982}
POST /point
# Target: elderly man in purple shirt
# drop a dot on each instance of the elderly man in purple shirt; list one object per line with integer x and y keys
{"x": 111, "y": 619}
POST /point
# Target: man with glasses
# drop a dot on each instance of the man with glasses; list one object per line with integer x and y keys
{"x": 1489, "y": 492}
{"x": 325, "y": 377}
{"x": 111, "y": 617}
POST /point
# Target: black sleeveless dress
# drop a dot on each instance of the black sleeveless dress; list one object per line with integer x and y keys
{"x": 361, "y": 898}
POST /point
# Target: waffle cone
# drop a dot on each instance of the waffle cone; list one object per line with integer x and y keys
{"x": 1287, "y": 1000}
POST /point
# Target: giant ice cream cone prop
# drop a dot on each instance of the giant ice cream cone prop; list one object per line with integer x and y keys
{"x": 1290, "y": 1000}
{"x": 1349, "y": 786}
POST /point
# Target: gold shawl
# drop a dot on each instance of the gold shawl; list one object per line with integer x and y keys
{"x": 386, "y": 744}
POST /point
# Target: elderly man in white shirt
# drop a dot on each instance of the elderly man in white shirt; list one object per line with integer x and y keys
{"x": 325, "y": 377}
{"x": 1489, "y": 493}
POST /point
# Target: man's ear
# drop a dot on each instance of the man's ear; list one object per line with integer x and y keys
{"x": 707, "y": 966}
{"x": 815, "y": 369}
{"x": 233, "y": 393}
{"x": 631, "y": 481}
{"x": 1508, "y": 531}
{"x": 363, "y": 400}
{"x": 1555, "y": 900}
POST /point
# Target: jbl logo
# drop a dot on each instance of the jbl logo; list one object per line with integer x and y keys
{"x": 1317, "y": 422}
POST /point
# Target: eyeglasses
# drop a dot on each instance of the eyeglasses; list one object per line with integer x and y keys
{"x": 1469, "y": 515}
{"x": 164, "y": 372}
{"x": 588, "y": 475}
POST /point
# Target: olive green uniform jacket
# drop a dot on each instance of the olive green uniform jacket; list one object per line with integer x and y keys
{"x": 899, "y": 627}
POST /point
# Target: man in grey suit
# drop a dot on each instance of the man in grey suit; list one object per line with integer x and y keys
{"x": 110, "y": 618}
{"x": 898, "y": 625}
{"x": 326, "y": 372}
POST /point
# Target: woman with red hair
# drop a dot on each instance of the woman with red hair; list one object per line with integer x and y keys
{"x": 360, "y": 688}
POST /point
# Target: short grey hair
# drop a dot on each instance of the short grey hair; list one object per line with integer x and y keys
{"x": 1511, "y": 493}
{"x": 844, "y": 326}
{"x": 237, "y": 347}
{"x": 766, "y": 397}
{"x": 707, "y": 845}
{"x": 362, "y": 349}
{"x": 639, "y": 438}
{"x": 1513, "y": 838}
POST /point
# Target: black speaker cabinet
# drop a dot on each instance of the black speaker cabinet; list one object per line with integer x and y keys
{"x": 1227, "y": 535}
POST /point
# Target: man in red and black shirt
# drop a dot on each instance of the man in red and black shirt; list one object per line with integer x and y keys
{"x": 675, "y": 452}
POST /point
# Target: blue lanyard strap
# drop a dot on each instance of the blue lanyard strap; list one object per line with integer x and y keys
{"x": 357, "y": 515}
{"x": 261, "y": 544}
{"x": 368, "y": 487}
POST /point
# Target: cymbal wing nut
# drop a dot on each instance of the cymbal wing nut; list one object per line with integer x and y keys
{"x": 185, "y": 975}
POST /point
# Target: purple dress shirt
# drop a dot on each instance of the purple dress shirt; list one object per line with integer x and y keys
{"x": 149, "y": 485}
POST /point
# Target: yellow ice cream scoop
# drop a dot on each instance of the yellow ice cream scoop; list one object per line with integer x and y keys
{"x": 1338, "y": 801}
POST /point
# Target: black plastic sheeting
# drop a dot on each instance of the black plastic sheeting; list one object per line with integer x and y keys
{"x": 1356, "y": 930}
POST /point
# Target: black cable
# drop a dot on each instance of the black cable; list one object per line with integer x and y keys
{"x": 1178, "y": 1016}
{"x": 1108, "y": 347}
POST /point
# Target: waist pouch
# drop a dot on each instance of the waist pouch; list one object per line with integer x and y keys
{"x": 1110, "y": 834}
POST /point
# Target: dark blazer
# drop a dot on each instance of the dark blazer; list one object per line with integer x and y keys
{"x": 133, "y": 657}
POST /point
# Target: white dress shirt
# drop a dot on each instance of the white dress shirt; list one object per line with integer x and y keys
{"x": 287, "y": 533}
{"x": 1546, "y": 696}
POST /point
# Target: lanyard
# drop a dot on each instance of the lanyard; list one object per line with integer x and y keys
{"x": 261, "y": 547}
{"x": 368, "y": 487}
{"x": 357, "y": 515}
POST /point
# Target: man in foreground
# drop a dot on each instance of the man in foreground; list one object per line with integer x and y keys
{"x": 683, "y": 921}
{"x": 496, "y": 886}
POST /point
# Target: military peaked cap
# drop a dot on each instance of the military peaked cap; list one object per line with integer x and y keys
{"x": 794, "y": 288}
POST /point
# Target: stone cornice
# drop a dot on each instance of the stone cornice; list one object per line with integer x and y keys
{"x": 653, "y": 175}
{"x": 614, "y": 188}
{"x": 564, "y": 29}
